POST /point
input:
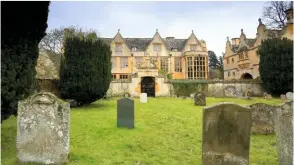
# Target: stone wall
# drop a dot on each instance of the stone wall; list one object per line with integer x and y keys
{"x": 164, "y": 88}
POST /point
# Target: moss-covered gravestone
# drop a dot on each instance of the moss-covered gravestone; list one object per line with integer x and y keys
{"x": 226, "y": 135}
{"x": 262, "y": 118}
{"x": 199, "y": 99}
{"x": 284, "y": 129}
{"x": 125, "y": 113}
{"x": 43, "y": 129}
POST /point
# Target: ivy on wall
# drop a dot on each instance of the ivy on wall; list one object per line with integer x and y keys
{"x": 187, "y": 87}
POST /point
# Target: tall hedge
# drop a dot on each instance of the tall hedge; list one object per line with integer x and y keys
{"x": 276, "y": 65}
{"x": 85, "y": 73}
{"x": 23, "y": 25}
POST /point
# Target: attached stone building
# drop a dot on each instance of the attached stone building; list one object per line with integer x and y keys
{"x": 146, "y": 62}
{"x": 241, "y": 60}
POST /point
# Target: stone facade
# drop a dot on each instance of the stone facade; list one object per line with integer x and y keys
{"x": 241, "y": 60}
{"x": 133, "y": 59}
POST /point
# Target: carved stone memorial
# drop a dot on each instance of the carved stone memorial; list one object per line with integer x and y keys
{"x": 226, "y": 134}
{"x": 199, "y": 99}
{"x": 43, "y": 129}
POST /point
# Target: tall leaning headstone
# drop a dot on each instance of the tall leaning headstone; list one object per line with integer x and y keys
{"x": 284, "y": 130}
{"x": 226, "y": 134}
{"x": 125, "y": 113}
{"x": 43, "y": 129}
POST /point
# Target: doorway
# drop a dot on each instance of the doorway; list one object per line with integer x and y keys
{"x": 148, "y": 86}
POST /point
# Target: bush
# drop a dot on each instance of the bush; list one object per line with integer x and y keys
{"x": 186, "y": 87}
{"x": 85, "y": 72}
{"x": 22, "y": 29}
{"x": 276, "y": 65}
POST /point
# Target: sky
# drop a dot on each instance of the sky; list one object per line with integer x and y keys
{"x": 211, "y": 21}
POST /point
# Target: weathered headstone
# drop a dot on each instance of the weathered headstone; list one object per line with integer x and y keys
{"x": 125, "y": 113}
{"x": 283, "y": 98}
{"x": 289, "y": 95}
{"x": 284, "y": 130}
{"x": 43, "y": 129}
{"x": 199, "y": 99}
{"x": 230, "y": 91}
{"x": 219, "y": 94}
{"x": 226, "y": 134}
{"x": 143, "y": 98}
{"x": 262, "y": 118}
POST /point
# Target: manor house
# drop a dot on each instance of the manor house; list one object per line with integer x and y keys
{"x": 241, "y": 60}
{"x": 146, "y": 63}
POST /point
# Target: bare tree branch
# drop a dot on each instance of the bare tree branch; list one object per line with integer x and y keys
{"x": 274, "y": 14}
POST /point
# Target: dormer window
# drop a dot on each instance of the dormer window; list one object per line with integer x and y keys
{"x": 193, "y": 47}
{"x": 157, "y": 47}
{"x": 118, "y": 47}
{"x": 134, "y": 49}
{"x": 174, "y": 49}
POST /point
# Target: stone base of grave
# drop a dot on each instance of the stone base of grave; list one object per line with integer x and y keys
{"x": 213, "y": 158}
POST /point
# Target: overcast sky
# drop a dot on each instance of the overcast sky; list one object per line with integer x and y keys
{"x": 211, "y": 21}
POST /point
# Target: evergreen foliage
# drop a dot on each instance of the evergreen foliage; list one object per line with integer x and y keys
{"x": 21, "y": 31}
{"x": 276, "y": 65}
{"x": 85, "y": 72}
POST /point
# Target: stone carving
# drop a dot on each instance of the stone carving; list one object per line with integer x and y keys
{"x": 148, "y": 64}
{"x": 283, "y": 116}
{"x": 289, "y": 95}
{"x": 230, "y": 91}
{"x": 262, "y": 118}
{"x": 125, "y": 113}
{"x": 199, "y": 99}
{"x": 43, "y": 129}
{"x": 143, "y": 98}
{"x": 226, "y": 135}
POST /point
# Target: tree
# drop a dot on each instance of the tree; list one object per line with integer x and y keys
{"x": 22, "y": 29}
{"x": 85, "y": 73}
{"x": 276, "y": 65}
{"x": 54, "y": 39}
{"x": 213, "y": 61}
{"x": 274, "y": 13}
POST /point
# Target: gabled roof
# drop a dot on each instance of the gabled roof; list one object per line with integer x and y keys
{"x": 142, "y": 43}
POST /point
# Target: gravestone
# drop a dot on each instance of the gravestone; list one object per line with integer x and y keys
{"x": 230, "y": 91}
{"x": 262, "y": 118}
{"x": 125, "y": 113}
{"x": 289, "y": 95}
{"x": 284, "y": 130}
{"x": 283, "y": 98}
{"x": 199, "y": 99}
{"x": 143, "y": 98}
{"x": 43, "y": 129}
{"x": 219, "y": 94}
{"x": 226, "y": 134}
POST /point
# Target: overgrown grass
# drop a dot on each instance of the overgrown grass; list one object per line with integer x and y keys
{"x": 168, "y": 131}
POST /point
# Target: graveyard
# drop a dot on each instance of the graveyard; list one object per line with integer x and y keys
{"x": 167, "y": 131}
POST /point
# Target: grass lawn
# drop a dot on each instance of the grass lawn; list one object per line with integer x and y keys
{"x": 168, "y": 131}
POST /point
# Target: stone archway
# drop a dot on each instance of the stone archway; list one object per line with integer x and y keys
{"x": 246, "y": 76}
{"x": 148, "y": 86}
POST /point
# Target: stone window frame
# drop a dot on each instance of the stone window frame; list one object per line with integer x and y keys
{"x": 118, "y": 47}
{"x": 228, "y": 60}
{"x": 229, "y": 74}
{"x": 232, "y": 60}
{"x": 196, "y": 67}
{"x": 178, "y": 64}
{"x": 123, "y": 76}
{"x": 124, "y": 62}
{"x": 193, "y": 47}
{"x": 134, "y": 49}
{"x": 164, "y": 63}
{"x": 113, "y": 76}
{"x": 157, "y": 47}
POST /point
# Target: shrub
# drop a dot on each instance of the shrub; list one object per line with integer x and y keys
{"x": 187, "y": 87}
{"x": 22, "y": 29}
{"x": 85, "y": 73}
{"x": 276, "y": 65}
